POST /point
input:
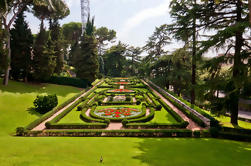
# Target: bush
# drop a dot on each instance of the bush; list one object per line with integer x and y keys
{"x": 77, "y": 82}
{"x": 44, "y": 104}
{"x": 138, "y": 102}
{"x": 20, "y": 131}
{"x": 214, "y": 131}
{"x": 196, "y": 134}
{"x": 158, "y": 107}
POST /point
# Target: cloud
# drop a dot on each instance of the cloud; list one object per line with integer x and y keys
{"x": 144, "y": 15}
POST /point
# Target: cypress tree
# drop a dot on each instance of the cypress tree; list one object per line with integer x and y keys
{"x": 21, "y": 45}
{"x": 44, "y": 61}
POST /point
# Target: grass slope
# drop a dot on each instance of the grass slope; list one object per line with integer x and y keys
{"x": 22, "y": 151}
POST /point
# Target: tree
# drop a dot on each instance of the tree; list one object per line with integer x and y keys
{"x": 21, "y": 45}
{"x": 230, "y": 21}
{"x": 44, "y": 61}
{"x": 86, "y": 59}
{"x": 115, "y": 59}
{"x": 8, "y": 13}
{"x": 57, "y": 39}
{"x": 185, "y": 14}
{"x": 156, "y": 43}
{"x": 104, "y": 35}
{"x": 133, "y": 54}
{"x": 72, "y": 32}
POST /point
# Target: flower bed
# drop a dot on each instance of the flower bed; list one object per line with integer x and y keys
{"x": 117, "y": 114}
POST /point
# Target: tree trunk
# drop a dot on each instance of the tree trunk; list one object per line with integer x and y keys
{"x": 249, "y": 6}
{"x": 234, "y": 97}
{"x": 8, "y": 59}
{"x": 193, "y": 60}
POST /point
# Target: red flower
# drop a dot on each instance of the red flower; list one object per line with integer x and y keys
{"x": 117, "y": 116}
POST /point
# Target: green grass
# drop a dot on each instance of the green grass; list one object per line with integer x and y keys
{"x": 72, "y": 117}
{"x": 64, "y": 151}
{"x": 17, "y": 98}
{"x": 163, "y": 117}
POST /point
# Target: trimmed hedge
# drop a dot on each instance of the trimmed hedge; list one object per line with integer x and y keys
{"x": 78, "y": 126}
{"x": 86, "y": 118}
{"x": 155, "y": 125}
{"x": 143, "y": 113}
{"x": 143, "y": 119}
{"x": 114, "y": 133}
{"x": 77, "y": 82}
{"x": 185, "y": 111}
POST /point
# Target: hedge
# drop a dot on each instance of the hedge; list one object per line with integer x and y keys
{"x": 114, "y": 133}
{"x": 155, "y": 125}
{"x": 78, "y": 126}
{"x": 86, "y": 118}
{"x": 143, "y": 113}
{"x": 213, "y": 122}
{"x": 77, "y": 82}
{"x": 185, "y": 111}
{"x": 143, "y": 119}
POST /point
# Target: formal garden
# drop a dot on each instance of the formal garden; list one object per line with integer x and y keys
{"x": 143, "y": 83}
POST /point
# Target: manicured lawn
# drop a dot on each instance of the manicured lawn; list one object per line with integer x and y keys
{"x": 72, "y": 117}
{"x": 163, "y": 117}
{"x": 63, "y": 151}
{"x": 17, "y": 98}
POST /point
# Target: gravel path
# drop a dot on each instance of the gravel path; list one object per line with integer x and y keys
{"x": 192, "y": 125}
{"x": 42, "y": 126}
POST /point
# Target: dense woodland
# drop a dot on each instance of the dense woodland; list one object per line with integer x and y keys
{"x": 201, "y": 26}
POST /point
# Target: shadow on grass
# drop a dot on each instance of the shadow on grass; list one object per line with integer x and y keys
{"x": 192, "y": 152}
{"x": 21, "y": 87}
{"x": 32, "y": 111}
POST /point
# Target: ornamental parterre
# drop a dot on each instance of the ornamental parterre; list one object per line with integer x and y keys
{"x": 117, "y": 112}
{"x": 122, "y": 83}
{"x": 121, "y": 90}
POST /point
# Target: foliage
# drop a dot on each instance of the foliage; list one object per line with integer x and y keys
{"x": 114, "y": 60}
{"x": 44, "y": 104}
{"x": 21, "y": 45}
{"x": 44, "y": 61}
{"x": 77, "y": 82}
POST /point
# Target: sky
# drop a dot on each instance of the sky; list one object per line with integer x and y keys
{"x": 133, "y": 20}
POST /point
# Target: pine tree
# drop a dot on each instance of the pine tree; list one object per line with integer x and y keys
{"x": 86, "y": 59}
{"x": 230, "y": 21}
{"x": 44, "y": 61}
{"x": 21, "y": 45}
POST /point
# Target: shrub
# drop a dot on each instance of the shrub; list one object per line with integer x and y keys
{"x": 138, "y": 102}
{"x": 77, "y": 82}
{"x": 44, "y": 104}
{"x": 214, "y": 131}
{"x": 20, "y": 131}
{"x": 158, "y": 107}
{"x": 196, "y": 134}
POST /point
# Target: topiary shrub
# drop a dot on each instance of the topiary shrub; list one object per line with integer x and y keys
{"x": 138, "y": 102}
{"x": 20, "y": 131}
{"x": 44, "y": 104}
{"x": 124, "y": 122}
{"x": 158, "y": 107}
{"x": 196, "y": 134}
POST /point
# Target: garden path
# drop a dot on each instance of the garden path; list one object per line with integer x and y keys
{"x": 192, "y": 125}
{"x": 42, "y": 126}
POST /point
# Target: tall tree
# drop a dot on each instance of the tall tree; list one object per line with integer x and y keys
{"x": 8, "y": 13}
{"x": 104, "y": 35}
{"x": 21, "y": 45}
{"x": 133, "y": 54}
{"x": 185, "y": 14}
{"x": 230, "y": 21}
{"x": 44, "y": 61}
{"x": 155, "y": 45}
{"x": 86, "y": 58}
{"x": 115, "y": 59}
{"x": 57, "y": 39}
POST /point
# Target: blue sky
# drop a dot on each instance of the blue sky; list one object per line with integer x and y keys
{"x": 133, "y": 20}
